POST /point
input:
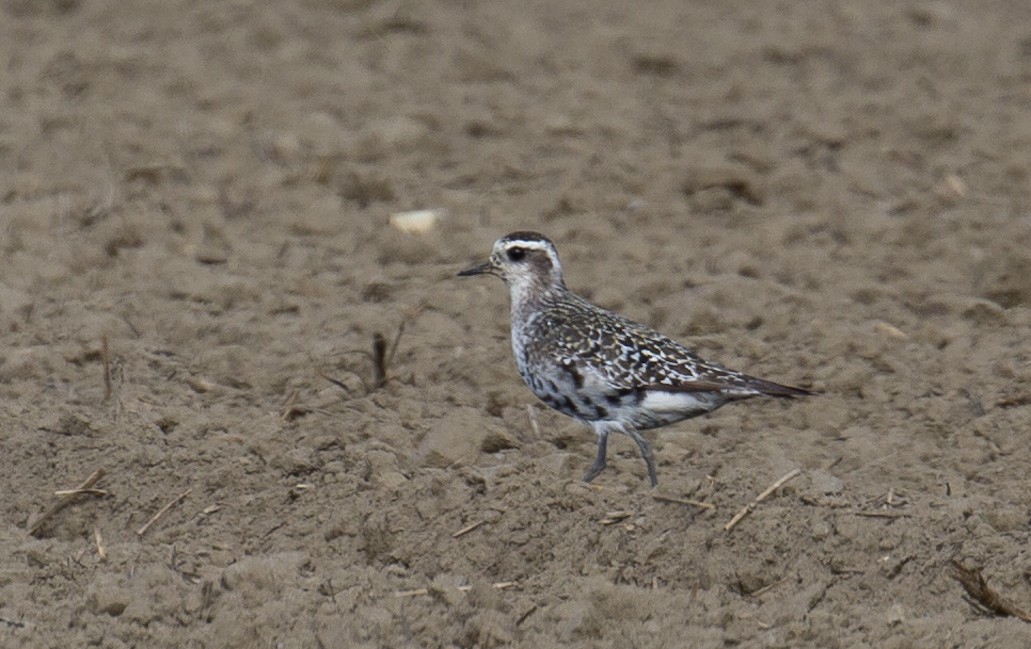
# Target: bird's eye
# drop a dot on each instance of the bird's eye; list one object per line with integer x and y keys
{"x": 516, "y": 254}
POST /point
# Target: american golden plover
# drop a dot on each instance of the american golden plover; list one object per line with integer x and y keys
{"x": 613, "y": 374}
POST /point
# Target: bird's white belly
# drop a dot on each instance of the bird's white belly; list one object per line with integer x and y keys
{"x": 675, "y": 402}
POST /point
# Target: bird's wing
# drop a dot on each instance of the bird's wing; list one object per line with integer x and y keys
{"x": 640, "y": 358}
{"x": 620, "y": 356}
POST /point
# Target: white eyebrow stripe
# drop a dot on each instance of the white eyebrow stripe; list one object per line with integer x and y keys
{"x": 529, "y": 245}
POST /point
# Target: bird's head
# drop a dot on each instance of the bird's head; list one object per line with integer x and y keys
{"x": 527, "y": 261}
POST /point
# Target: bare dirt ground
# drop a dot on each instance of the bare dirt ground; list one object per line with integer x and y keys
{"x": 834, "y": 194}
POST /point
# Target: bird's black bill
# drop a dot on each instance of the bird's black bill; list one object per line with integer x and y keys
{"x": 478, "y": 269}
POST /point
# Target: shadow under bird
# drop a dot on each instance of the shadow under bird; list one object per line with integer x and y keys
{"x": 614, "y": 374}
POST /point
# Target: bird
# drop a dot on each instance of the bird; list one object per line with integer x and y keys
{"x": 607, "y": 371}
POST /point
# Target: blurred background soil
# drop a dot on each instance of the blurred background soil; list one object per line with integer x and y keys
{"x": 835, "y": 194}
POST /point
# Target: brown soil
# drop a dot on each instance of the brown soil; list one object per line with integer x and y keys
{"x": 831, "y": 194}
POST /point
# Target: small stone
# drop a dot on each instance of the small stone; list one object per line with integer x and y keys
{"x": 896, "y": 615}
{"x": 265, "y": 572}
{"x": 107, "y": 597}
{"x": 737, "y": 180}
{"x": 498, "y": 440}
{"x": 561, "y": 464}
{"x": 1007, "y": 519}
{"x": 416, "y": 221}
{"x": 826, "y": 483}
{"x": 821, "y": 530}
{"x": 390, "y": 479}
{"x": 325, "y": 215}
{"x": 459, "y": 435}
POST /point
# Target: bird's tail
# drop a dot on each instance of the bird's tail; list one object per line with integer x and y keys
{"x": 771, "y": 389}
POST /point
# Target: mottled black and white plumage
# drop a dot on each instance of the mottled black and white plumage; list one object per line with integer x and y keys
{"x": 614, "y": 374}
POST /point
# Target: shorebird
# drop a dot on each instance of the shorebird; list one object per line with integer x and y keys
{"x": 613, "y": 374}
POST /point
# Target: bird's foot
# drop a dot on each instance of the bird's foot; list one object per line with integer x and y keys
{"x": 646, "y": 455}
{"x": 593, "y": 471}
{"x": 652, "y": 476}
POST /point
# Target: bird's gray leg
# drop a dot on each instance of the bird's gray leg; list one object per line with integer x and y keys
{"x": 602, "y": 432}
{"x": 646, "y": 453}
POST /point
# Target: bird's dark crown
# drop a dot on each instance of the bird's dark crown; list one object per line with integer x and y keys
{"x": 526, "y": 237}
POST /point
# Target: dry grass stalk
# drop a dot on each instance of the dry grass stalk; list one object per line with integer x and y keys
{"x": 531, "y": 412}
{"x": 882, "y": 514}
{"x": 612, "y": 518}
{"x": 379, "y": 361}
{"x": 530, "y": 611}
{"x": 684, "y": 501}
{"x": 76, "y": 492}
{"x": 85, "y": 487}
{"x": 381, "y": 356}
{"x": 500, "y": 585}
{"x": 974, "y": 583}
{"x": 337, "y": 382}
{"x": 767, "y": 588}
{"x": 199, "y": 385}
{"x": 161, "y": 512}
{"x": 747, "y": 509}
{"x": 468, "y": 528}
{"x": 412, "y": 593}
{"x": 101, "y": 552}
{"x": 105, "y": 357}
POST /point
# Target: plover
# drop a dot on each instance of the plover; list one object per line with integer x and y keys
{"x": 614, "y": 374}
